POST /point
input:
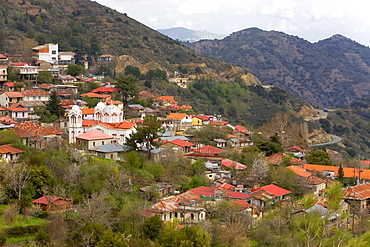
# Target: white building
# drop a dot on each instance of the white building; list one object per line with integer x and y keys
{"x": 47, "y": 52}
{"x": 108, "y": 119}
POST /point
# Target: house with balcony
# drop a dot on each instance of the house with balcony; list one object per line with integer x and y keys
{"x": 3, "y": 69}
{"x": 26, "y": 71}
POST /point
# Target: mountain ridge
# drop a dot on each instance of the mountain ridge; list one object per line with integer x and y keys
{"x": 329, "y": 73}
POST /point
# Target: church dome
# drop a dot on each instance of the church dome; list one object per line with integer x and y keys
{"x": 100, "y": 106}
{"x": 111, "y": 109}
{"x": 75, "y": 110}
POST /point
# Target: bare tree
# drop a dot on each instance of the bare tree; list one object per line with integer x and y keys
{"x": 289, "y": 132}
{"x": 260, "y": 168}
{"x": 17, "y": 177}
{"x": 97, "y": 209}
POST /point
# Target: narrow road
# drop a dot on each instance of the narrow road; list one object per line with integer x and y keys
{"x": 336, "y": 139}
{"x": 321, "y": 114}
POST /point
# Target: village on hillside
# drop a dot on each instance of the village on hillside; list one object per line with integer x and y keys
{"x": 98, "y": 123}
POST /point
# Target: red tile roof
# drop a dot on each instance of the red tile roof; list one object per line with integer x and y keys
{"x": 225, "y": 186}
{"x": 2, "y": 56}
{"x": 240, "y": 128}
{"x": 35, "y": 92}
{"x": 294, "y": 148}
{"x": 241, "y": 131}
{"x": 204, "y": 191}
{"x": 300, "y": 171}
{"x": 274, "y": 189}
{"x": 181, "y": 143}
{"x": 358, "y": 192}
{"x": 277, "y": 159}
{"x": 203, "y": 118}
{"x": 208, "y": 150}
{"x": 7, "y": 120}
{"x": 46, "y": 200}
{"x": 105, "y": 90}
{"x": 365, "y": 163}
{"x": 242, "y": 204}
{"x": 312, "y": 180}
{"x": 146, "y": 94}
{"x": 8, "y": 148}
{"x": 14, "y": 94}
{"x": 15, "y": 107}
{"x": 94, "y": 135}
{"x": 233, "y": 164}
{"x": 30, "y": 129}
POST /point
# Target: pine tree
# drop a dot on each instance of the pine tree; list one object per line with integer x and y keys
{"x": 54, "y": 105}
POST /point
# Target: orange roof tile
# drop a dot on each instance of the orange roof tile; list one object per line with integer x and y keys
{"x": 89, "y": 123}
{"x": 348, "y": 171}
{"x": 88, "y": 111}
{"x": 15, "y": 107}
{"x": 8, "y": 148}
{"x": 170, "y": 99}
{"x": 300, "y": 171}
{"x": 233, "y": 164}
{"x": 95, "y": 95}
{"x": 177, "y": 116}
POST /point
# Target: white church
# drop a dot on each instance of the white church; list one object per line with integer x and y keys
{"x": 108, "y": 118}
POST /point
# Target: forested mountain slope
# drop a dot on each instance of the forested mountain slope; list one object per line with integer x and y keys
{"x": 329, "y": 73}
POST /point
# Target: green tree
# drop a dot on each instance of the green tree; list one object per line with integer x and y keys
{"x": 340, "y": 174}
{"x": 318, "y": 157}
{"x": 54, "y": 105}
{"x": 145, "y": 134}
{"x": 192, "y": 236}
{"x": 153, "y": 227}
{"x": 92, "y": 85}
{"x": 74, "y": 69}
{"x": 112, "y": 239}
{"x": 91, "y": 102}
{"x": 128, "y": 87}
{"x": 45, "y": 77}
{"x": 131, "y": 70}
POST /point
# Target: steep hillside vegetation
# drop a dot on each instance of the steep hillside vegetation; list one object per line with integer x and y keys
{"x": 330, "y": 73}
{"x": 87, "y": 27}
{"x": 352, "y": 125}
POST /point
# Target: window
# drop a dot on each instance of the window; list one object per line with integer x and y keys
{"x": 176, "y": 215}
{"x": 93, "y": 143}
{"x": 102, "y": 143}
{"x": 164, "y": 217}
{"x": 192, "y": 216}
{"x": 53, "y": 52}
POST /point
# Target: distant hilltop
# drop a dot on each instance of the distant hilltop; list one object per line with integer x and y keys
{"x": 188, "y": 35}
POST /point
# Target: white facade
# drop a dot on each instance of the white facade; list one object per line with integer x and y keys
{"x": 47, "y": 52}
{"x": 106, "y": 117}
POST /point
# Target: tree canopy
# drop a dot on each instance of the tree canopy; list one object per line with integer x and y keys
{"x": 128, "y": 87}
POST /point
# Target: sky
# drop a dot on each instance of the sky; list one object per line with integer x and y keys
{"x": 312, "y": 20}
